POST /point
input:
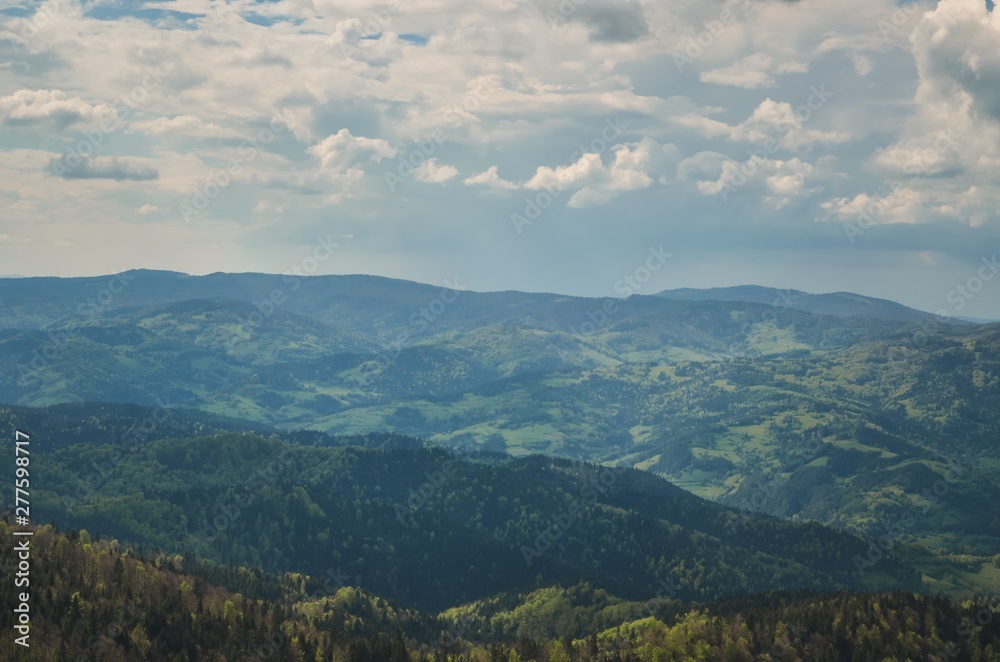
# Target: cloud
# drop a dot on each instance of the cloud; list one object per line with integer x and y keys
{"x": 344, "y": 153}
{"x": 774, "y": 181}
{"x": 949, "y": 148}
{"x": 862, "y": 65}
{"x": 927, "y": 156}
{"x": 182, "y": 125}
{"x": 608, "y": 21}
{"x": 788, "y": 125}
{"x": 897, "y": 205}
{"x": 614, "y": 21}
{"x": 146, "y": 209}
{"x": 348, "y": 32}
{"x": 368, "y": 41}
{"x": 491, "y": 179}
{"x": 353, "y": 109}
{"x": 776, "y": 121}
{"x": 634, "y": 166}
{"x": 957, "y": 49}
{"x": 33, "y": 107}
{"x": 106, "y": 168}
{"x": 748, "y": 73}
{"x": 431, "y": 172}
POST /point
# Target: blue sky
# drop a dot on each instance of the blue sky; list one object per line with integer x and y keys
{"x": 535, "y": 145}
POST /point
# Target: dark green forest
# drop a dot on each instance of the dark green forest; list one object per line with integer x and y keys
{"x": 403, "y": 519}
{"x": 99, "y": 600}
{"x": 696, "y": 475}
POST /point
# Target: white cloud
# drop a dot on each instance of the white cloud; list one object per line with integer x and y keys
{"x": 926, "y": 155}
{"x": 344, "y": 153}
{"x": 183, "y": 125}
{"x": 491, "y": 179}
{"x": 780, "y": 122}
{"x": 550, "y": 90}
{"x": 898, "y": 205}
{"x": 789, "y": 125}
{"x": 431, "y": 172}
{"x": 750, "y": 72}
{"x": 949, "y": 148}
{"x": 862, "y": 65}
{"x": 957, "y": 49}
{"x": 634, "y": 166}
{"x": 773, "y": 181}
{"x": 31, "y": 107}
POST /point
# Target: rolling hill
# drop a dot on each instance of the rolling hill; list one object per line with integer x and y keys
{"x": 857, "y": 420}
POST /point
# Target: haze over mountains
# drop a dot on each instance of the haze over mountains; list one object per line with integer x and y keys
{"x": 326, "y": 295}
{"x": 839, "y": 304}
{"x": 819, "y": 424}
{"x": 476, "y": 456}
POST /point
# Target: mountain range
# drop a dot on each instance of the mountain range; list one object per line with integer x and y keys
{"x": 749, "y": 439}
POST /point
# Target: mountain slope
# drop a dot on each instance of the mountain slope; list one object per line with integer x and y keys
{"x": 95, "y": 599}
{"x": 403, "y": 519}
{"x": 836, "y": 304}
{"x": 849, "y": 421}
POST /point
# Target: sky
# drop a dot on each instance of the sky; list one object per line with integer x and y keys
{"x": 538, "y": 145}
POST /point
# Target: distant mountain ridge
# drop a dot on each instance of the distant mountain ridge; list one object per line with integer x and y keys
{"x": 837, "y": 304}
{"x": 48, "y": 299}
{"x": 845, "y": 419}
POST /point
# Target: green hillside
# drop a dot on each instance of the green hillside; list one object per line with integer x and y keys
{"x": 400, "y": 518}
{"x": 881, "y": 424}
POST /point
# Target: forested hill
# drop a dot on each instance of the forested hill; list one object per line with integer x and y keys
{"x": 97, "y": 600}
{"x": 838, "y": 304}
{"x": 858, "y": 422}
{"x": 431, "y": 530}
